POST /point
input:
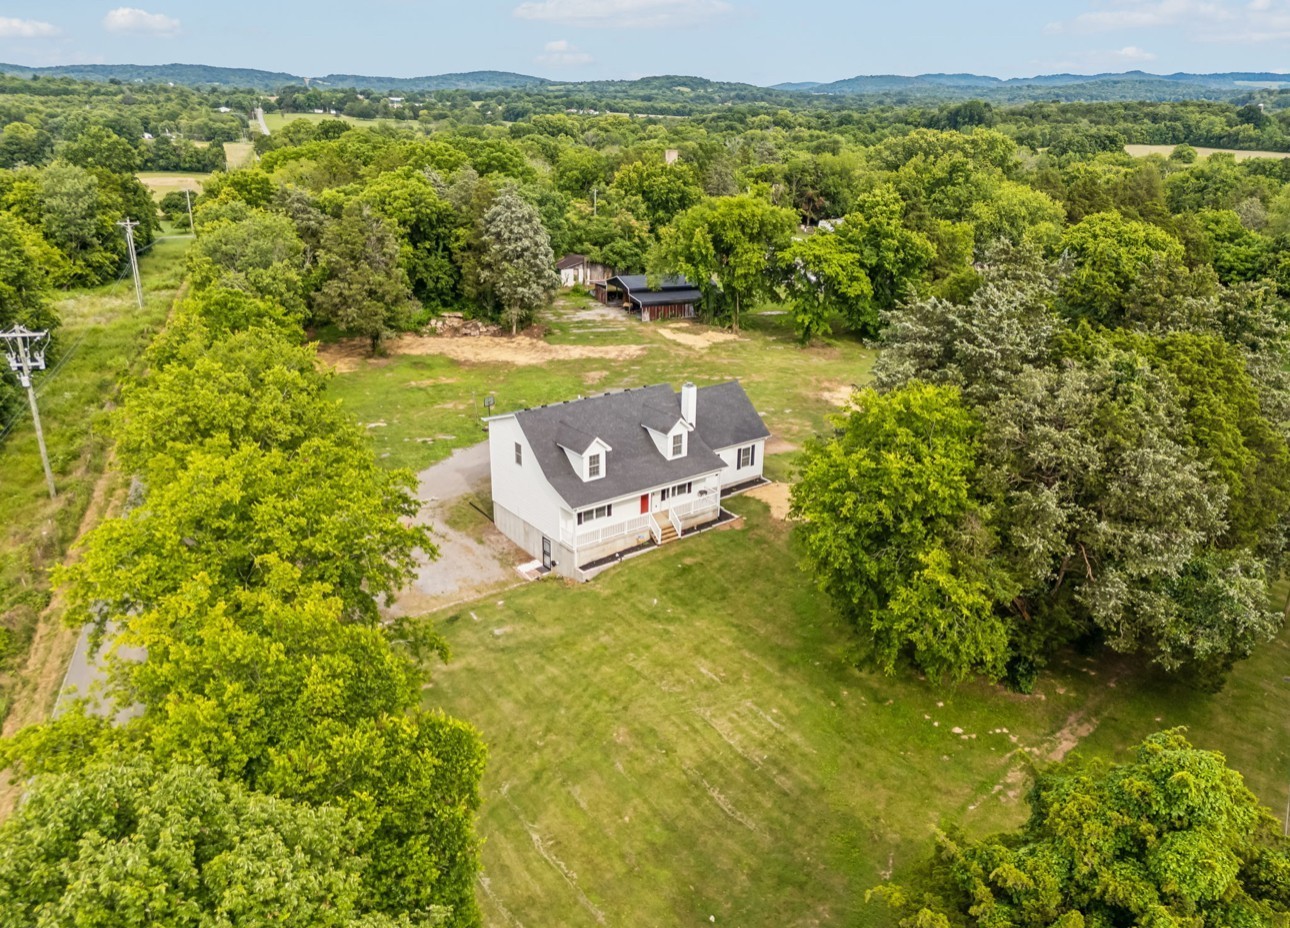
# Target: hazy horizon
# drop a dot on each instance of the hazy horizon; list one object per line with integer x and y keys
{"x": 750, "y": 41}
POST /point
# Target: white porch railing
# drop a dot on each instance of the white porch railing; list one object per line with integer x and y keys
{"x": 696, "y": 507}
{"x": 655, "y": 530}
{"x": 594, "y": 536}
{"x": 676, "y": 521}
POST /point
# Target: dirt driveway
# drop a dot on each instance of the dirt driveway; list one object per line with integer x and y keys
{"x": 465, "y": 567}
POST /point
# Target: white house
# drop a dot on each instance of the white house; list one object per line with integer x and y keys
{"x": 579, "y": 482}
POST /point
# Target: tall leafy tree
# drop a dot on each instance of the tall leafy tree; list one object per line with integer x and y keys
{"x": 729, "y": 247}
{"x": 894, "y": 531}
{"x": 365, "y": 288}
{"x": 517, "y": 265}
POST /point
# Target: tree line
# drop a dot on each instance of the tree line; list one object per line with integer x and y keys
{"x": 280, "y": 769}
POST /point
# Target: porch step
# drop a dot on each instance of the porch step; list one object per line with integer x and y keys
{"x": 668, "y": 534}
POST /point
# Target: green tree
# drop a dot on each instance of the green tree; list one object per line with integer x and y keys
{"x": 894, "y": 532}
{"x": 729, "y": 247}
{"x": 427, "y": 225}
{"x": 127, "y": 843}
{"x": 255, "y": 252}
{"x": 1108, "y": 253}
{"x": 365, "y": 290}
{"x": 231, "y": 512}
{"x": 100, "y": 147}
{"x": 664, "y": 190}
{"x": 517, "y": 265}
{"x": 825, "y": 279}
{"x": 894, "y": 257}
{"x": 1173, "y": 837}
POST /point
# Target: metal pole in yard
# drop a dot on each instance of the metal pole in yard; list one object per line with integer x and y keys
{"x": 26, "y": 352}
{"x": 129, "y": 224}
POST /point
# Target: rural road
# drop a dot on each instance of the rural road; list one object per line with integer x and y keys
{"x": 259, "y": 116}
{"x": 85, "y": 677}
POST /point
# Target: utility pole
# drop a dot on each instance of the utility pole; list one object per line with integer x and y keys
{"x": 188, "y": 195}
{"x": 26, "y": 352}
{"x": 129, "y": 224}
{"x": 595, "y": 201}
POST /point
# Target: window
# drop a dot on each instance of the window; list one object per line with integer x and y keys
{"x": 663, "y": 494}
{"x": 600, "y": 512}
{"x": 593, "y": 466}
{"x": 682, "y": 489}
{"x": 678, "y": 445}
{"x": 747, "y": 456}
{"x": 519, "y": 454}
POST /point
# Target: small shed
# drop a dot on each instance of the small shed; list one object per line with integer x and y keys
{"x": 673, "y": 298}
{"x": 579, "y": 269}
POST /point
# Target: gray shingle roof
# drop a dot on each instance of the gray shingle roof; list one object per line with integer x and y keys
{"x": 725, "y": 418}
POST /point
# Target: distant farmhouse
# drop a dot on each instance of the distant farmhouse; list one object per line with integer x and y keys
{"x": 579, "y": 483}
{"x": 579, "y": 269}
{"x": 673, "y": 298}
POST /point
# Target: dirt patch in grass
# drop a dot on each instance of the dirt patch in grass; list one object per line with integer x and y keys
{"x": 777, "y": 445}
{"x": 774, "y": 495}
{"x": 837, "y": 394}
{"x": 697, "y": 337}
{"x": 348, "y": 356}
{"x": 591, "y": 378}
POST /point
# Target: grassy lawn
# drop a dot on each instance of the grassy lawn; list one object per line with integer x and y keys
{"x": 687, "y": 737}
{"x": 1141, "y": 151}
{"x": 102, "y": 335}
{"x": 239, "y": 153}
{"x": 276, "y": 121}
{"x": 421, "y": 407}
{"x": 160, "y": 183}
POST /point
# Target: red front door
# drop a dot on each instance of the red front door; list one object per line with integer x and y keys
{"x": 644, "y": 503}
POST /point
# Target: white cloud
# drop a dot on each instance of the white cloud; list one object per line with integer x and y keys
{"x": 563, "y": 52}
{"x": 26, "y": 29}
{"x": 1133, "y": 53}
{"x": 140, "y": 22}
{"x": 1233, "y": 21}
{"x": 623, "y": 14}
{"x": 1144, "y": 14}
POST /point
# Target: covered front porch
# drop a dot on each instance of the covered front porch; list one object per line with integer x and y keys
{"x": 656, "y": 517}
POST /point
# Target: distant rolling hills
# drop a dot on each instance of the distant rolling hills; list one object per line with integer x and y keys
{"x": 1129, "y": 85}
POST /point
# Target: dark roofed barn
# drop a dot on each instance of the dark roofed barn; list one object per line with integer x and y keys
{"x": 673, "y": 298}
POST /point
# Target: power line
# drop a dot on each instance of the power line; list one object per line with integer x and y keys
{"x": 129, "y": 224}
{"x": 26, "y": 352}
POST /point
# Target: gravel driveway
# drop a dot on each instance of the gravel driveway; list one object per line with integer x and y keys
{"x": 464, "y": 566}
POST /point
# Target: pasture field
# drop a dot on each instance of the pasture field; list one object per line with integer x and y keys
{"x": 276, "y": 121}
{"x": 160, "y": 183}
{"x": 102, "y": 335}
{"x": 688, "y": 737}
{"x": 239, "y": 154}
{"x": 426, "y": 398}
{"x": 1141, "y": 151}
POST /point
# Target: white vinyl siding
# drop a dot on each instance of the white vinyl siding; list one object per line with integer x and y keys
{"x": 599, "y": 512}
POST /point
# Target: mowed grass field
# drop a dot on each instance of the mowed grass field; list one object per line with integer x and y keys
{"x": 688, "y": 738}
{"x": 1141, "y": 151}
{"x": 420, "y": 407}
{"x": 276, "y": 121}
{"x": 160, "y": 183}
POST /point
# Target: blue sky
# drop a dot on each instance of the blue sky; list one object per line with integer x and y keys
{"x": 759, "y": 41}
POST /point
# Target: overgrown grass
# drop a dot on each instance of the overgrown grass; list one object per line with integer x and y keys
{"x": 420, "y": 408}
{"x": 102, "y": 335}
{"x": 687, "y": 737}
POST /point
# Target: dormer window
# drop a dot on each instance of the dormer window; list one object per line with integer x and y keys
{"x": 593, "y": 466}
{"x": 678, "y": 445}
